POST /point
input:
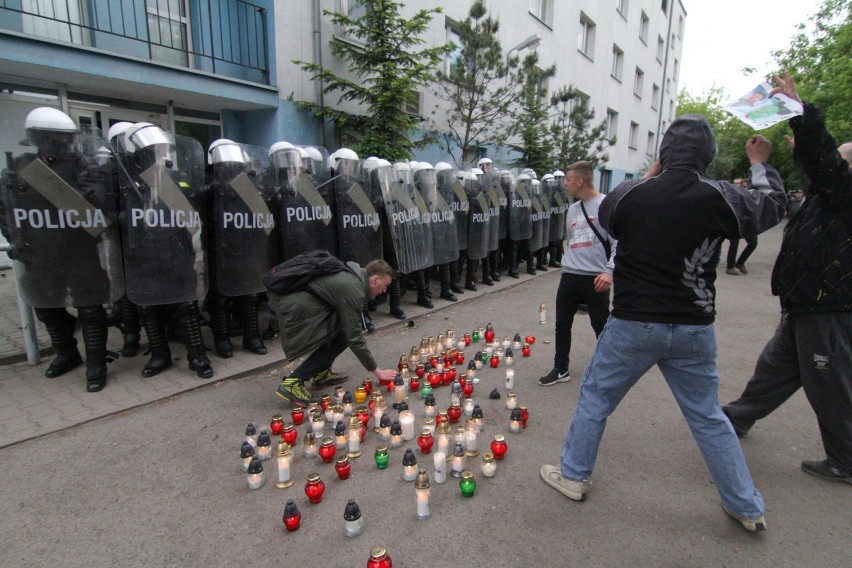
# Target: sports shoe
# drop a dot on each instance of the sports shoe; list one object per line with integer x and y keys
{"x": 553, "y": 377}
{"x": 742, "y": 268}
{"x": 751, "y": 525}
{"x": 328, "y": 378}
{"x": 293, "y": 389}
{"x": 732, "y": 271}
{"x": 826, "y": 470}
{"x": 574, "y": 490}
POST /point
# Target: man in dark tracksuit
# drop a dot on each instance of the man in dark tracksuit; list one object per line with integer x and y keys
{"x": 811, "y": 347}
{"x": 670, "y": 227}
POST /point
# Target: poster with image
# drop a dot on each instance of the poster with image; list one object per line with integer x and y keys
{"x": 757, "y": 109}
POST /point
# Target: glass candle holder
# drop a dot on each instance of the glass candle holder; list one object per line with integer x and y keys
{"x": 314, "y": 488}
{"x": 409, "y": 466}
{"x": 467, "y": 484}
{"x": 292, "y": 517}
{"x": 310, "y": 445}
{"x": 381, "y": 457}
{"x": 283, "y": 465}
{"x": 421, "y": 495}
{"x": 489, "y": 466}
{"x": 254, "y": 476}
{"x": 353, "y": 522}
{"x": 511, "y": 400}
{"x": 246, "y": 454}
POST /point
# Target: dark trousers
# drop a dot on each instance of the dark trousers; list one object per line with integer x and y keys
{"x": 576, "y": 289}
{"x": 751, "y": 244}
{"x": 321, "y": 359}
{"x": 812, "y": 351}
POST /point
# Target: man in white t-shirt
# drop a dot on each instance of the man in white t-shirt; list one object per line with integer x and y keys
{"x": 586, "y": 267}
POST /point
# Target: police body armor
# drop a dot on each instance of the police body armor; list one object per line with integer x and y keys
{"x": 306, "y": 205}
{"x": 478, "y": 240}
{"x": 165, "y": 260}
{"x": 445, "y": 246}
{"x": 63, "y": 224}
{"x": 245, "y": 237}
{"x": 359, "y": 227}
{"x": 407, "y": 217}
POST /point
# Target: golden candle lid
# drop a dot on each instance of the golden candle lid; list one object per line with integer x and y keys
{"x": 283, "y": 449}
{"x": 422, "y": 481}
{"x": 288, "y": 428}
{"x": 310, "y": 437}
{"x": 382, "y": 450}
{"x": 342, "y": 459}
{"x": 488, "y": 458}
{"x": 377, "y": 553}
{"x": 425, "y": 432}
{"x": 499, "y": 438}
{"x": 467, "y": 474}
{"x": 327, "y": 441}
{"x": 313, "y": 478}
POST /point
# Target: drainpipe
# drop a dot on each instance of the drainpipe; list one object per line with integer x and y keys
{"x": 318, "y": 84}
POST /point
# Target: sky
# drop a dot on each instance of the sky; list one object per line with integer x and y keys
{"x": 723, "y": 36}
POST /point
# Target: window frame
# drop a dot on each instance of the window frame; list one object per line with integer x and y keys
{"x": 644, "y": 25}
{"x": 621, "y": 6}
{"x": 617, "y": 69}
{"x": 638, "y": 82}
{"x": 611, "y": 132}
{"x": 542, "y": 10}
{"x": 182, "y": 18}
{"x": 655, "y": 96}
{"x": 586, "y": 38}
{"x": 633, "y": 135}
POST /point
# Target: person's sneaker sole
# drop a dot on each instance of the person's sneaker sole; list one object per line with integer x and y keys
{"x": 751, "y": 525}
{"x": 574, "y": 490}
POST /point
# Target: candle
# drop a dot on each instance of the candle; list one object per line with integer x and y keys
{"x": 510, "y": 379}
{"x": 439, "y": 460}
{"x": 489, "y": 466}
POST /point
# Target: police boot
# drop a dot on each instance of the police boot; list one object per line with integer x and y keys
{"x": 423, "y": 290}
{"x": 60, "y": 327}
{"x": 454, "y": 277}
{"x": 530, "y": 258}
{"x": 217, "y": 305}
{"x": 541, "y": 255}
{"x": 470, "y": 279}
{"x": 131, "y": 328}
{"x": 158, "y": 345}
{"x": 446, "y": 290}
{"x": 494, "y": 264}
{"x": 395, "y": 298}
{"x": 247, "y": 307}
{"x": 513, "y": 260}
{"x": 94, "y": 327}
{"x": 196, "y": 353}
{"x": 555, "y": 256}
{"x": 427, "y": 275}
{"x": 486, "y": 271}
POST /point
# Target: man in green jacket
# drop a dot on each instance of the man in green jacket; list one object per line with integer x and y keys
{"x": 324, "y": 321}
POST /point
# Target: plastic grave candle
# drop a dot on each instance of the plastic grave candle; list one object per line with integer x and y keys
{"x": 368, "y": 386}
{"x": 403, "y": 360}
{"x": 489, "y": 466}
{"x": 459, "y": 358}
{"x": 409, "y": 465}
{"x": 516, "y": 342}
{"x": 298, "y": 416}
{"x": 310, "y": 443}
{"x": 485, "y": 356}
{"x": 414, "y": 384}
{"x": 477, "y": 416}
{"x": 276, "y": 425}
{"x": 433, "y": 362}
{"x": 477, "y": 361}
{"x": 542, "y": 314}
{"x": 406, "y": 420}
{"x": 325, "y": 400}
{"x": 329, "y": 413}
{"x": 425, "y": 441}
{"x": 510, "y": 379}
{"x": 292, "y": 517}
{"x": 348, "y": 401}
{"x": 353, "y": 523}
{"x": 251, "y": 434}
{"x": 246, "y": 454}
{"x": 254, "y": 475}
{"x": 379, "y": 558}
{"x": 489, "y": 333}
{"x": 530, "y": 339}
{"x": 454, "y": 413}
{"x": 327, "y": 450}
{"x": 439, "y": 463}
{"x": 458, "y": 435}
{"x": 468, "y": 407}
{"x": 337, "y": 415}
{"x": 471, "y": 431}
{"x": 283, "y": 465}
{"x": 363, "y": 415}
{"x": 433, "y": 346}
{"x": 475, "y": 336}
{"x": 449, "y": 375}
{"x": 467, "y": 484}
{"x": 525, "y": 414}
{"x": 489, "y": 350}
{"x": 338, "y": 394}
{"x": 384, "y": 427}
{"x": 439, "y": 366}
{"x": 457, "y": 462}
{"x": 433, "y": 380}
{"x": 467, "y": 339}
{"x": 413, "y": 358}
{"x": 381, "y": 457}
{"x": 526, "y": 350}
{"x": 467, "y": 389}
{"x": 471, "y": 370}
{"x": 421, "y": 495}
{"x": 505, "y": 344}
{"x": 289, "y": 434}
{"x": 317, "y": 425}
{"x": 360, "y": 395}
{"x": 456, "y": 394}
{"x": 378, "y": 411}
{"x": 509, "y": 359}
{"x": 340, "y": 440}
{"x": 442, "y": 417}
{"x": 511, "y": 400}
{"x": 353, "y": 435}
{"x": 343, "y": 467}
{"x": 440, "y": 342}
{"x": 420, "y": 371}
{"x": 264, "y": 446}
{"x": 498, "y": 446}
{"x": 314, "y": 488}
{"x": 395, "y": 434}
{"x": 495, "y": 361}
{"x": 313, "y": 408}
{"x": 429, "y": 424}
{"x": 443, "y": 438}
{"x": 515, "y": 425}
{"x": 450, "y": 340}
{"x": 398, "y": 391}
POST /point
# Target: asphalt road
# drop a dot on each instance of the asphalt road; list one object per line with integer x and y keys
{"x": 159, "y": 485}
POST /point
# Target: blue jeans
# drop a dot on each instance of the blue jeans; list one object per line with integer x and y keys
{"x": 686, "y": 355}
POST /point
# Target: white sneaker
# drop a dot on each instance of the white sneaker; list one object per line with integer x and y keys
{"x": 751, "y": 525}
{"x": 574, "y": 490}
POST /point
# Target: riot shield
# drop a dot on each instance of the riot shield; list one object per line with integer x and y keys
{"x": 478, "y": 218}
{"x": 359, "y": 228}
{"x": 244, "y": 235}
{"x": 544, "y": 200}
{"x": 445, "y": 245}
{"x": 520, "y": 210}
{"x": 63, "y": 223}
{"x": 412, "y": 240}
{"x": 537, "y": 238}
{"x": 558, "y": 207}
{"x": 163, "y": 205}
{"x": 459, "y": 204}
{"x": 306, "y": 205}
{"x": 503, "y": 189}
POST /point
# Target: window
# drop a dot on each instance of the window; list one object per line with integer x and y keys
{"x": 586, "y": 39}
{"x": 606, "y": 181}
{"x": 168, "y": 29}
{"x": 655, "y": 97}
{"x": 58, "y": 22}
{"x": 634, "y": 134}
{"x": 617, "y": 62}
{"x": 621, "y": 6}
{"x": 680, "y": 26}
{"x": 643, "y": 28}
{"x": 675, "y": 69}
{"x": 543, "y": 10}
{"x": 664, "y": 6}
{"x": 412, "y": 105}
{"x": 652, "y": 144}
{"x": 354, "y": 9}
{"x": 611, "y": 124}
{"x": 671, "y": 110}
{"x": 673, "y": 40}
{"x": 661, "y": 48}
{"x": 638, "y": 82}
{"x": 668, "y": 85}
{"x": 452, "y": 60}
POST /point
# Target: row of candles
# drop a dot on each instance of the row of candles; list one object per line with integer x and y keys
{"x": 348, "y": 436}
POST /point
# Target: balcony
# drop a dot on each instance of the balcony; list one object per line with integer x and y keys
{"x": 227, "y": 37}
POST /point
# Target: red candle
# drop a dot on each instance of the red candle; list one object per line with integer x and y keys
{"x": 454, "y": 413}
{"x": 343, "y": 467}
{"x": 420, "y": 370}
{"x": 314, "y": 488}
{"x": 325, "y": 401}
{"x": 327, "y": 451}
{"x": 466, "y": 339}
{"x": 459, "y": 357}
{"x": 414, "y": 384}
{"x": 499, "y": 447}
{"x": 298, "y": 416}
{"x": 467, "y": 389}
{"x": 489, "y": 335}
{"x": 277, "y": 425}
{"x": 526, "y": 350}
{"x": 289, "y": 434}
{"x": 495, "y": 361}
{"x": 451, "y": 374}
{"x": 368, "y": 385}
{"x": 434, "y": 379}
{"x": 433, "y": 361}
{"x": 292, "y": 517}
{"x": 425, "y": 441}
{"x": 525, "y": 414}
{"x": 363, "y": 415}
{"x": 379, "y": 558}
{"x": 530, "y": 339}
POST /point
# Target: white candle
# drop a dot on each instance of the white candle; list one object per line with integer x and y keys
{"x": 255, "y": 480}
{"x": 406, "y": 420}
{"x": 354, "y": 440}
{"x": 510, "y": 379}
{"x": 440, "y": 460}
{"x": 283, "y": 469}
{"x": 422, "y": 503}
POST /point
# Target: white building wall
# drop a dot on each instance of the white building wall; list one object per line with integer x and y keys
{"x": 559, "y": 45}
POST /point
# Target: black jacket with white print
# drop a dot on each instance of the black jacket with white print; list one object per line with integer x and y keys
{"x": 670, "y": 228}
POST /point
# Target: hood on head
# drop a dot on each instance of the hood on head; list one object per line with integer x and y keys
{"x": 688, "y": 143}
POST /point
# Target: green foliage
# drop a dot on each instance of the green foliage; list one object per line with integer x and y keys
{"x": 574, "y": 137}
{"x": 475, "y": 88}
{"x": 531, "y": 116}
{"x": 385, "y": 71}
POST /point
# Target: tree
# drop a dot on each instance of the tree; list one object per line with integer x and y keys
{"x": 386, "y": 75}
{"x": 475, "y": 86}
{"x": 574, "y": 137}
{"x": 530, "y": 126}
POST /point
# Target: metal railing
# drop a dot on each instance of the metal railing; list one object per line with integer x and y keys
{"x": 226, "y": 37}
